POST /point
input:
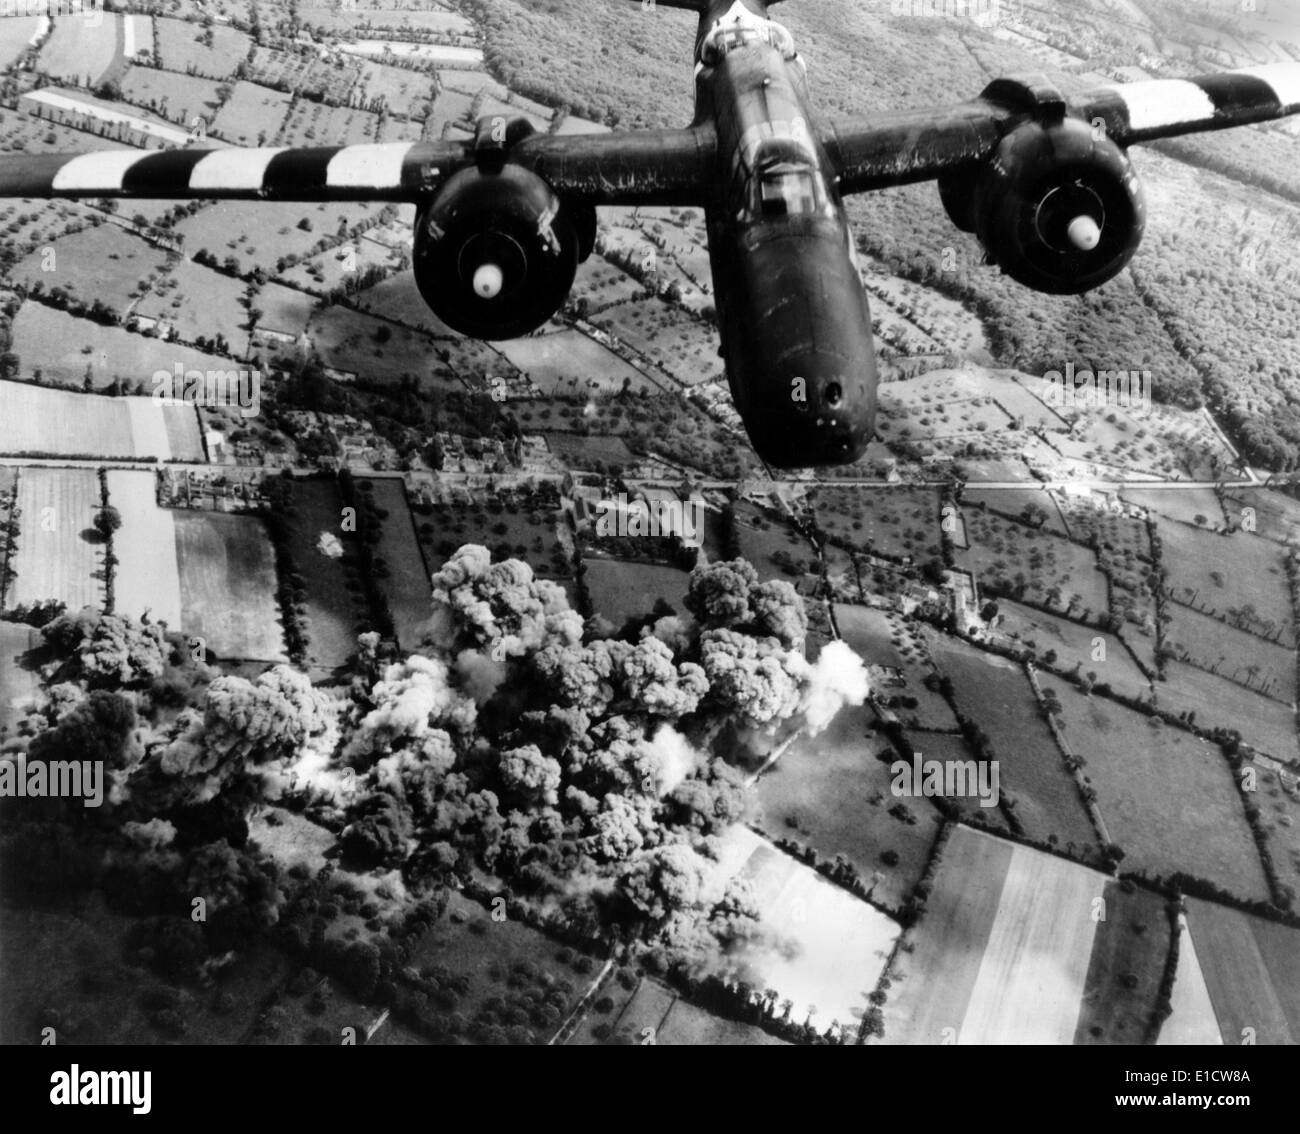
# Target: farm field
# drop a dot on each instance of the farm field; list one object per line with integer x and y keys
{"x": 270, "y": 231}
{"x": 1001, "y": 953}
{"x": 529, "y": 535}
{"x": 996, "y": 695}
{"x": 1211, "y": 702}
{"x": 347, "y": 340}
{"x": 1191, "y": 1020}
{"x": 405, "y": 92}
{"x": 17, "y": 683}
{"x": 147, "y": 579}
{"x": 896, "y": 656}
{"x": 179, "y": 99}
{"x": 1129, "y": 950}
{"x": 1030, "y": 506}
{"x": 228, "y": 584}
{"x": 60, "y": 555}
{"x": 198, "y": 301}
{"x": 1183, "y": 505}
{"x": 333, "y": 610}
{"x": 655, "y": 1013}
{"x": 285, "y": 310}
{"x": 1279, "y": 805}
{"x": 951, "y": 746}
{"x": 569, "y": 363}
{"x": 1093, "y": 650}
{"x": 315, "y": 124}
{"x": 406, "y": 583}
{"x": 772, "y": 545}
{"x": 102, "y": 262}
{"x": 1237, "y": 578}
{"x": 179, "y": 48}
{"x": 897, "y": 523}
{"x": 831, "y": 792}
{"x": 16, "y": 32}
{"x": 56, "y": 342}
{"x": 1252, "y": 971}
{"x": 620, "y": 590}
{"x": 1276, "y": 514}
{"x": 1007, "y": 557}
{"x": 487, "y": 956}
{"x": 1232, "y": 654}
{"x": 832, "y": 946}
{"x": 82, "y": 48}
{"x": 664, "y": 335}
{"x": 253, "y": 116}
{"x": 1167, "y": 797}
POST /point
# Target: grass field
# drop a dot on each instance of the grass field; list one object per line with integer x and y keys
{"x": 179, "y": 49}
{"x": 1183, "y": 504}
{"x": 1236, "y": 578}
{"x": 824, "y": 948}
{"x": 897, "y": 523}
{"x": 570, "y": 363}
{"x": 1252, "y": 971}
{"x": 1167, "y": 798}
{"x": 1095, "y": 651}
{"x": 655, "y": 1013}
{"x": 1275, "y": 514}
{"x": 253, "y": 116}
{"x": 995, "y": 694}
{"x": 198, "y": 301}
{"x": 831, "y": 792}
{"x": 1279, "y": 805}
{"x": 1129, "y": 950}
{"x": 1233, "y": 654}
{"x": 147, "y": 578}
{"x": 1264, "y": 723}
{"x": 60, "y": 555}
{"x": 406, "y": 585}
{"x": 333, "y": 611}
{"x": 620, "y": 591}
{"x": 65, "y": 347}
{"x": 16, "y": 33}
{"x": 82, "y": 47}
{"x": 178, "y": 98}
{"x": 895, "y": 651}
{"x": 227, "y": 573}
{"x": 1029, "y": 505}
{"x": 100, "y": 262}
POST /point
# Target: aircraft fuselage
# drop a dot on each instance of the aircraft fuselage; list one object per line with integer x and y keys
{"x": 793, "y": 317}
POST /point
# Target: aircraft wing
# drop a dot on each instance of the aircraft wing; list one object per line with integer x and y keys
{"x": 918, "y": 145}
{"x": 630, "y": 167}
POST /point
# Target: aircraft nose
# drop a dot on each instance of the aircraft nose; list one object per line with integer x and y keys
{"x": 820, "y": 410}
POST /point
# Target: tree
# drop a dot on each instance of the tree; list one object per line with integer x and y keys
{"x": 108, "y": 520}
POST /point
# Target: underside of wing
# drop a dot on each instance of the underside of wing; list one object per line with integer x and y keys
{"x": 895, "y": 149}
{"x": 393, "y": 171}
{"x": 1164, "y": 108}
{"x": 639, "y": 167}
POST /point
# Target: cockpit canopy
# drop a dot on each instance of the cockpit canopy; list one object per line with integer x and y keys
{"x": 785, "y": 181}
{"x": 728, "y": 37}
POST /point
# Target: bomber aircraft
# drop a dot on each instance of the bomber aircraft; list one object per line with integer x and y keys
{"x": 504, "y": 219}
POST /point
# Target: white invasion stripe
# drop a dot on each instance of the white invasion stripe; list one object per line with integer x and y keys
{"x": 102, "y": 172}
{"x": 1284, "y": 78}
{"x": 368, "y": 167}
{"x": 1165, "y": 102}
{"x": 232, "y": 169}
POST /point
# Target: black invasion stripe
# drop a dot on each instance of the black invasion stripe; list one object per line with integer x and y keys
{"x": 163, "y": 174}
{"x": 298, "y": 171}
{"x": 1239, "y": 96}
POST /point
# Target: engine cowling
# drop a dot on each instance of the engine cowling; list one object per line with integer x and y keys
{"x": 496, "y": 251}
{"x": 1058, "y": 208}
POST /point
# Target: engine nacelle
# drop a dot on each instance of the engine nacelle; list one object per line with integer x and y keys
{"x": 496, "y": 251}
{"x": 1058, "y": 207}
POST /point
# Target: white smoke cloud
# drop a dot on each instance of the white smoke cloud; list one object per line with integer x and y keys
{"x": 675, "y": 758}
{"x": 837, "y": 678}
